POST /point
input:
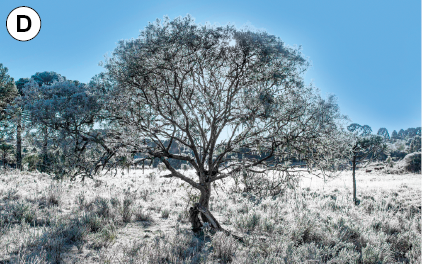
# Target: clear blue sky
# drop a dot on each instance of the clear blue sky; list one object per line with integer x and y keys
{"x": 367, "y": 53}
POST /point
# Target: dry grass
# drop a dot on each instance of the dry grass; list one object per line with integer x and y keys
{"x": 141, "y": 218}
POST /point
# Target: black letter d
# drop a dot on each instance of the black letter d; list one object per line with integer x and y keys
{"x": 19, "y": 23}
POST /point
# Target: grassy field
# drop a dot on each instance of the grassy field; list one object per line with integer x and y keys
{"x": 141, "y": 218}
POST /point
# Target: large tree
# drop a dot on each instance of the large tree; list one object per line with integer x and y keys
{"x": 8, "y": 90}
{"x": 234, "y": 98}
{"x": 19, "y": 114}
{"x": 8, "y": 93}
{"x": 42, "y": 80}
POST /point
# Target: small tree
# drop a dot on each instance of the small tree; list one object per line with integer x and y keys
{"x": 234, "y": 98}
{"x": 383, "y": 132}
{"x": 394, "y": 135}
{"x": 401, "y": 134}
{"x": 365, "y": 147}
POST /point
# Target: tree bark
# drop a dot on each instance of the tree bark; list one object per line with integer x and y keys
{"x": 204, "y": 200}
{"x": 44, "y": 150}
{"x": 4, "y": 159}
{"x": 201, "y": 208}
{"x": 354, "y": 180}
{"x": 205, "y": 213}
{"x": 19, "y": 144}
{"x": 194, "y": 219}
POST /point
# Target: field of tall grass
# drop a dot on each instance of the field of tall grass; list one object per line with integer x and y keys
{"x": 139, "y": 217}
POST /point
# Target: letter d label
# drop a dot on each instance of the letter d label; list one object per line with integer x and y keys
{"x": 20, "y": 29}
{"x": 23, "y": 23}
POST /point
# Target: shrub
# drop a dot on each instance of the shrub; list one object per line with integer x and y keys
{"x": 103, "y": 207}
{"x": 115, "y": 202}
{"x": 224, "y": 247}
{"x": 23, "y": 212}
{"x": 143, "y": 194}
{"x": 93, "y": 222}
{"x": 80, "y": 200}
{"x": 54, "y": 194}
{"x": 152, "y": 176}
{"x": 249, "y": 222}
{"x": 140, "y": 215}
{"x": 165, "y": 213}
{"x": 106, "y": 236}
{"x": 25, "y": 256}
{"x": 182, "y": 217}
{"x": 127, "y": 209}
{"x": 400, "y": 245}
{"x": 267, "y": 225}
{"x": 262, "y": 185}
{"x": 183, "y": 247}
{"x": 58, "y": 236}
{"x": 31, "y": 162}
{"x": 410, "y": 163}
{"x": 413, "y": 162}
{"x": 376, "y": 254}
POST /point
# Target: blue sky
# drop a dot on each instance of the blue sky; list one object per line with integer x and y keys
{"x": 367, "y": 53}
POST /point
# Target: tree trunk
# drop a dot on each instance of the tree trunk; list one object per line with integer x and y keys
{"x": 204, "y": 200}
{"x": 194, "y": 219}
{"x": 44, "y": 150}
{"x": 19, "y": 144}
{"x": 354, "y": 180}
{"x": 202, "y": 208}
{"x": 4, "y": 159}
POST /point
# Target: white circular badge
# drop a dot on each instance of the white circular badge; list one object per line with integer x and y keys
{"x": 23, "y": 23}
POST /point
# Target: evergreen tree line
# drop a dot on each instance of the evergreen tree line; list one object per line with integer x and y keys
{"x": 29, "y": 138}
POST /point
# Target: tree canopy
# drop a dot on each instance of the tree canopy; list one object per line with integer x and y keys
{"x": 235, "y": 98}
{"x": 47, "y": 77}
{"x": 186, "y": 83}
{"x": 69, "y": 109}
{"x": 384, "y": 133}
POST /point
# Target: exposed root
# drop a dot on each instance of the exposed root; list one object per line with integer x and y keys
{"x": 205, "y": 213}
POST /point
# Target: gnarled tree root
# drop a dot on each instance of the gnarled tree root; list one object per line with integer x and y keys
{"x": 207, "y": 217}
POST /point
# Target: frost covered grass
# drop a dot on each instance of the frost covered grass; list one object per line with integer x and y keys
{"x": 138, "y": 218}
